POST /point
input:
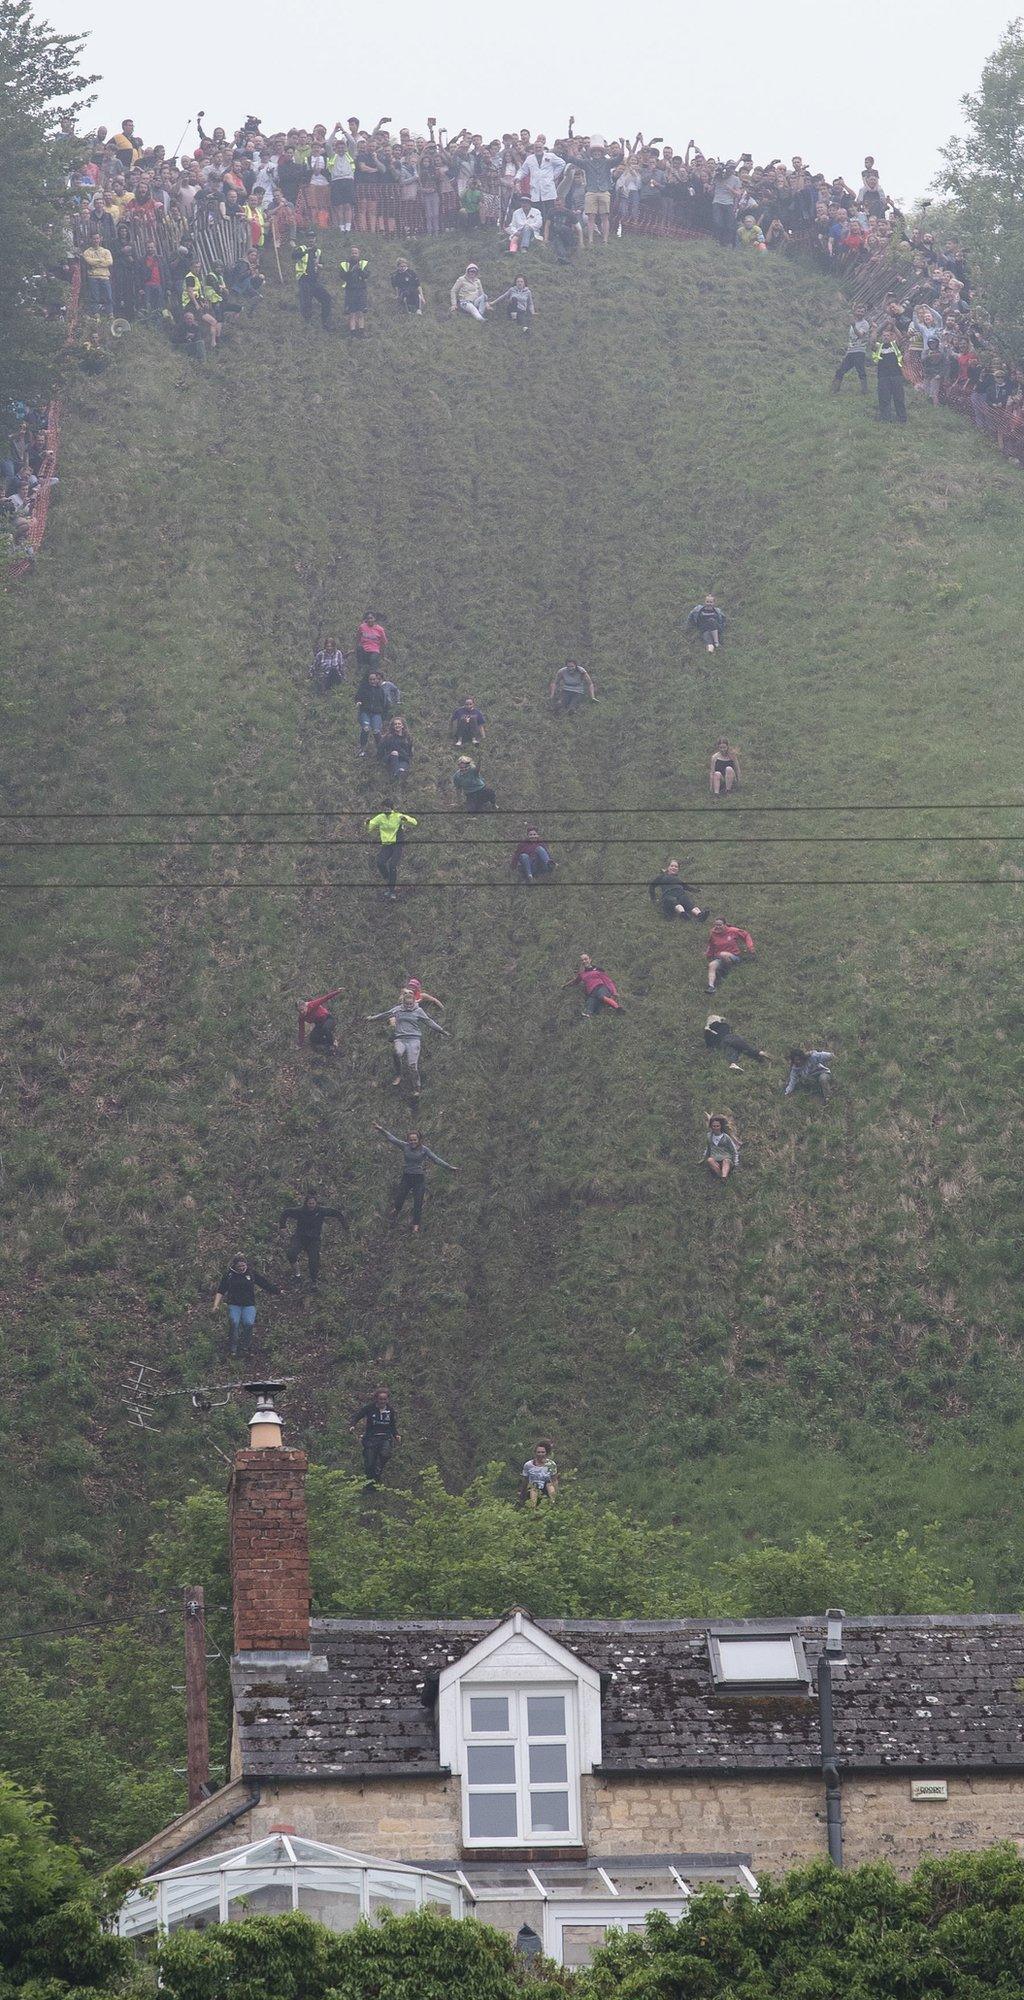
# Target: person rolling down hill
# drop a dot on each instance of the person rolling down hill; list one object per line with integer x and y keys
{"x": 406, "y": 1022}
{"x": 237, "y": 1289}
{"x": 479, "y": 796}
{"x": 708, "y": 622}
{"x": 672, "y": 894}
{"x": 422, "y": 998}
{"x": 328, "y": 668}
{"x": 571, "y": 686}
{"x": 721, "y": 1149}
{"x": 414, "y": 1171}
{"x": 719, "y": 1034}
{"x": 389, "y": 825}
{"x": 532, "y": 859}
{"x": 726, "y": 945}
{"x": 539, "y": 1478}
{"x": 724, "y": 773}
{"x": 809, "y": 1070}
{"x": 317, "y": 1017}
{"x": 308, "y": 1227}
{"x": 601, "y": 991}
{"x": 380, "y": 1434}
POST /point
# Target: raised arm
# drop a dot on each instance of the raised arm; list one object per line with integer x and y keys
{"x": 438, "y": 1162}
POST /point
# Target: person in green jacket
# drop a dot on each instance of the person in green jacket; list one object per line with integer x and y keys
{"x": 389, "y": 826}
{"x": 468, "y": 780}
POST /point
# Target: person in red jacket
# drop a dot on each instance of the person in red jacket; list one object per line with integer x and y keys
{"x": 726, "y": 946}
{"x": 532, "y": 858}
{"x": 317, "y": 1017}
{"x": 599, "y": 989}
{"x": 422, "y": 997}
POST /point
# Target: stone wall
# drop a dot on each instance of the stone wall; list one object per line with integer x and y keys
{"x": 779, "y": 1821}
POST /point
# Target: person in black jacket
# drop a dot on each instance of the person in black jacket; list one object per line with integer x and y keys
{"x": 718, "y": 1034}
{"x": 674, "y": 895}
{"x": 309, "y": 1222}
{"x": 379, "y": 1419}
{"x": 238, "y": 1288}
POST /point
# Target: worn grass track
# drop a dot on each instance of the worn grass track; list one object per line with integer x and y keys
{"x": 836, "y": 1334}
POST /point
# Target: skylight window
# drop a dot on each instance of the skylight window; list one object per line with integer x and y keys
{"x": 758, "y": 1661}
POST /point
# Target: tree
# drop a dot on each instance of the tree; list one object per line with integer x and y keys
{"x": 52, "y": 1939}
{"x": 424, "y": 1957}
{"x": 41, "y": 91}
{"x": 955, "y": 1931}
{"x": 983, "y": 176}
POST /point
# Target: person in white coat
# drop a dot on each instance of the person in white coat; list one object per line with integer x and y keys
{"x": 545, "y": 170}
{"x": 468, "y": 295}
{"x": 524, "y": 224}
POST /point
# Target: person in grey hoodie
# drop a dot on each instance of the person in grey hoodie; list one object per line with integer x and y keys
{"x": 518, "y": 301}
{"x": 856, "y": 356}
{"x": 414, "y": 1171}
{"x": 406, "y": 1023}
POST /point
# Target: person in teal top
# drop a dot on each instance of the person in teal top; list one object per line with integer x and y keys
{"x": 389, "y": 825}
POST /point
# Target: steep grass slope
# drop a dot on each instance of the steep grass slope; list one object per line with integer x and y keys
{"x": 838, "y": 1332}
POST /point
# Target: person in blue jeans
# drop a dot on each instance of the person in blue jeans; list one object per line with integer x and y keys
{"x": 532, "y": 860}
{"x": 238, "y": 1288}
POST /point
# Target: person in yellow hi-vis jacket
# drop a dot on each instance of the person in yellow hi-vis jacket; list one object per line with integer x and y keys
{"x": 888, "y": 359}
{"x": 389, "y": 825}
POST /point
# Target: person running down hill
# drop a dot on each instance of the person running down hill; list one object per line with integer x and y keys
{"x": 414, "y": 1171}
{"x": 570, "y": 687}
{"x": 237, "y": 1289}
{"x": 389, "y": 825}
{"x": 673, "y": 895}
{"x": 708, "y": 622}
{"x": 601, "y": 991}
{"x": 726, "y": 946}
{"x": 380, "y": 1434}
{"x": 406, "y": 1020}
{"x": 308, "y": 1226}
{"x": 317, "y": 1017}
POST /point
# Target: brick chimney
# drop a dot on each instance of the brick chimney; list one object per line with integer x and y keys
{"x": 269, "y": 1538}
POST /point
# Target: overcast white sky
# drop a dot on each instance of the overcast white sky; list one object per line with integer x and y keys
{"x": 796, "y": 76}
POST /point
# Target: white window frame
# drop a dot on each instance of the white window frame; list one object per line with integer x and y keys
{"x": 519, "y": 1739}
{"x": 621, "y": 1915}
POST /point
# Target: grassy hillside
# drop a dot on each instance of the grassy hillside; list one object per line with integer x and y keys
{"x": 835, "y": 1334}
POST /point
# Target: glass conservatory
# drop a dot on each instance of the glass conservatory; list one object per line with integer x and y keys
{"x": 284, "y": 1872}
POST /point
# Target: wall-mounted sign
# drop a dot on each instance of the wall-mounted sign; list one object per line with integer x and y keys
{"x": 928, "y": 1788}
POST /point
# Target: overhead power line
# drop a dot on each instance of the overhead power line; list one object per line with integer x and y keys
{"x": 521, "y": 812}
{"x": 578, "y": 840}
{"x": 171, "y": 888}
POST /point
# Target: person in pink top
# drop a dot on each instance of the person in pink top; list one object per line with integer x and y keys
{"x": 371, "y": 641}
{"x": 726, "y": 946}
{"x": 420, "y": 995}
{"x": 599, "y": 989}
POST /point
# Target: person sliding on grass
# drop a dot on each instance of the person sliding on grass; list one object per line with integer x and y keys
{"x": 394, "y": 748}
{"x": 721, "y": 1149}
{"x": 599, "y": 989}
{"x": 308, "y": 1228}
{"x": 709, "y": 622}
{"x": 414, "y": 1171}
{"x": 423, "y": 998}
{"x": 381, "y": 1434}
{"x": 725, "y": 768}
{"x": 570, "y": 688}
{"x": 328, "y": 668}
{"x": 532, "y": 859}
{"x": 373, "y": 705}
{"x": 468, "y": 723}
{"x": 238, "y": 1289}
{"x": 389, "y": 825}
{"x": 810, "y": 1068}
{"x": 468, "y": 295}
{"x": 405, "y": 1021}
{"x": 726, "y": 946}
{"x": 539, "y": 1479}
{"x": 479, "y": 796}
{"x": 317, "y": 1017}
{"x": 518, "y": 301}
{"x": 673, "y": 894}
{"x": 719, "y": 1034}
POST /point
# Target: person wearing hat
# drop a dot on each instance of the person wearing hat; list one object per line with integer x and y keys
{"x": 468, "y": 295}
{"x": 597, "y": 207}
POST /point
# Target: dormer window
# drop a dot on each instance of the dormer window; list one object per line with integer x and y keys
{"x": 758, "y": 1661}
{"x": 519, "y": 1722}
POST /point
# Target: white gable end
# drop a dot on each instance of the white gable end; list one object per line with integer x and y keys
{"x": 519, "y": 1654}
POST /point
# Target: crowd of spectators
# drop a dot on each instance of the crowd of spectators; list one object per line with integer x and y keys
{"x": 23, "y": 466}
